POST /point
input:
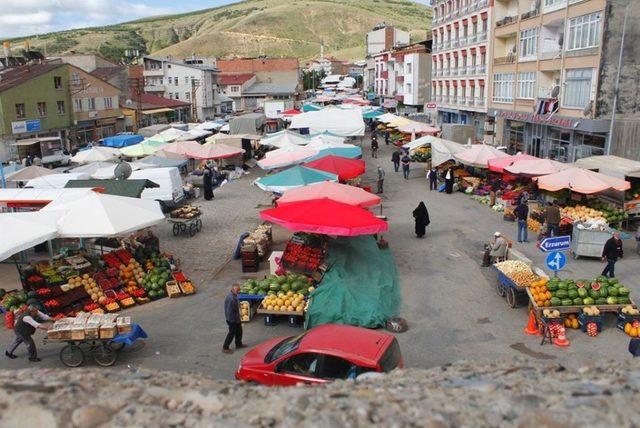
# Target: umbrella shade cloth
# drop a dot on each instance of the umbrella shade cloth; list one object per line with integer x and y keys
{"x": 478, "y": 155}
{"x": 29, "y": 173}
{"x": 581, "y": 181}
{"x": 109, "y": 171}
{"x": 292, "y": 178}
{"x": 418, "y": 128}
{"x": 325, "y": 216}
{"x": 344, "y": 168}
{"x": 387, "y": 117}
{"x": 535, "y": 167}
{"x": 335, "y": 191}
{"x": 286, "y": 156}
{"x": 163, "y": 162}
{"x": 55, "y": 181}
{"x": 21, "y": 231}
{"x": 372, "y": 114}
{"x": 499, "y": 164}
{"x": 170, "y": 155}
{"x": 215, "y": 151}
{"x": 145, "y": 148}
{"x": 399, "y": 122}
{"x": 327, "y": 137}
{"x": 283, "y": 139}
{"x": 182, "y": 147}
{"x": 119, "y": 141}
{"x": 291, "y": 112}
{"x": 167, "y": 138}
{"x": 98, "y": 215}
{"x": 92, "y": 167}
{"x": 310, "y": 107}
{"x": 349, "y": 151}
{"x": 345, "y": 123}
{"x": 96, "y": 154}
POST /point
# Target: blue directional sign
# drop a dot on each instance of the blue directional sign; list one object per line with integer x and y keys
{"x": 556, "y": 261}
{"x": 556, "y": 243}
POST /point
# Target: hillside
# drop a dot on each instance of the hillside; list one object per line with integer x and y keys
{"x": 249, "y": 28}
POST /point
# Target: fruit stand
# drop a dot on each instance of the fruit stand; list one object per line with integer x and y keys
{"x": 514, "y": 277}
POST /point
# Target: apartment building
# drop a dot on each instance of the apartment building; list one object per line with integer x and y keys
{"x": 462, "y": 34}
{"x": 193, "y": 81}
{"x": 383, "y": 38}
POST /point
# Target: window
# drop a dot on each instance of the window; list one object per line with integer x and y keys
{"x": 75, "y": 79}
{"x": 584, "y": 32}
{"x": 528, "y": 43}
{"x": 577, "y": 88}
{"x": 186, "y": 79}
{"x": 57, "y": 82}
{"x": 92, "y": 103}
{"x": 170, "y": 79}
{"x": 77, "y": 104}
{"x": 20, "y": 111}
{"x": 108, "y": 103}
{"x": 301, "y": 364}
{"x": 526, "y": 84}
{"x": 187, "y": 96}
{"x": 60, "y": 105}
{"x": 176, "y": 81}
{"x": 503, "y": 87}
{"x": 42, "y": 109}
{"x": 408, "y": 68}
{"x": 408, "y": 89}
{"x": 177, "y": 95}
{"x": 335, "y": 368}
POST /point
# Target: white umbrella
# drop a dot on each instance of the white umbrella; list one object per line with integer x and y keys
{"x": 92, "y": 167}
{"x": 96, "y": 154}
{"x": 21, "y": 231}
{"x": 99, "y": 215}
{"x": 29, "y": 173}
{"x": 283, "y": 139}
{"x": 108, "y": 172}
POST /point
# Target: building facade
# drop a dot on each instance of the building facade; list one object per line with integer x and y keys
{"x": 383, "y": 38}
{"x": 234, "y": 85}
{"x": 462, "y": 34}
{"x": 266, "y": 70}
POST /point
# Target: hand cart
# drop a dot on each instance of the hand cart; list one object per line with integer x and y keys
{"x": 189, "y": 226}
{"x": 505, "y": 287}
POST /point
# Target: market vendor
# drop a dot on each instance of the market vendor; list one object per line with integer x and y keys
{"x": 25, "y": 326}
{"x": 496, "y": 249}
{"x": 611, "y": 253}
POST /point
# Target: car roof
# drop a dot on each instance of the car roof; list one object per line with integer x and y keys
{"x": 359, "y": 345}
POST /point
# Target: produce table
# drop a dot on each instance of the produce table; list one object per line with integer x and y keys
{"x": 574, "y": 309}
{"x": 516, "y": 296}
{"x": 295, "y": 318}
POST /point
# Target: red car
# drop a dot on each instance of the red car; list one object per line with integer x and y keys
{"x": 319, "y": 355}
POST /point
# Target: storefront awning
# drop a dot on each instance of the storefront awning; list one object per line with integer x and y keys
{"x": 158, "y": 110}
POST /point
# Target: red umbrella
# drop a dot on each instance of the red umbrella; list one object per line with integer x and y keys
{"x": 499, "y": 164}
{"x": 325, "y": 216}
{"x": 344, "y": 168}
{"x": 290, "y": 112}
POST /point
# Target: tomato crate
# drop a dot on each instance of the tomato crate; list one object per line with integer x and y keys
{"x": 584, "y": 320}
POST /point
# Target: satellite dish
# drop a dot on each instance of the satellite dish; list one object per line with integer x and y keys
{"x": 555, "y": 92}
{"x": 122, "y": 171}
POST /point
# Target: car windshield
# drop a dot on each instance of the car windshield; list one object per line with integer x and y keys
{"x": 283, "y": 348}
{"x": 391, "y": 357}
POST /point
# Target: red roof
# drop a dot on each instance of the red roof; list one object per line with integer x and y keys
{"x": 105, "y": 73}
{"x": 234, "y": 79}
{"x": 149, "y": 101}
{"x": 254, "y": 65}
{"x": 22, "y": 74}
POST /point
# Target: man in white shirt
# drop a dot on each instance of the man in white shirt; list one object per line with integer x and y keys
{"x": 25, "y": 326}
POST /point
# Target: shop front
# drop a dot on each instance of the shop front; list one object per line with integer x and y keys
{"x": 464, "y": 117}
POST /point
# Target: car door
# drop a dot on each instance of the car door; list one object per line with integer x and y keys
{"x": 333, "y": 368}
{"x": 298, "y": 368}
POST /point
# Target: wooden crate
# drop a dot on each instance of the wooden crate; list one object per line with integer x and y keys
{"x": 173, "y": 289}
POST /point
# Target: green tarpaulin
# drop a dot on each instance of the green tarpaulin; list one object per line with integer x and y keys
{"x": 130, "y": 188}
{"x": 361, "y": 287}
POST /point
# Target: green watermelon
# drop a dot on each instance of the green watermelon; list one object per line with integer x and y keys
{"x": 594, "y": 294}
{"x": 624, "y": 300}
{"x": 601, "y": 301}
{"x": 613, "y": 291}
{"x": 582, "y": 293}
{"x": 563, "y": 285}
{"x": 285, "y": 287}
{"x": 613, "y": 281}
{"x": 555, "y": 301}
{"x": 588, "y": 301}
{"x": 604, "y": 292}
{"x": 623, "y": 291}
{"x": 567, "y": 302}
{"x": 162, "y": 293}
{"x": 577, "y": 301}
{"x": 552, "y": 286}
{"x": 562, "y": 294}
{"x": 274, "y": 286}
{"x": 612, "y": 300}
{"x": 153, "y": 294}
{"x": 2, "y": 292}
{"x": 572, "y": 293}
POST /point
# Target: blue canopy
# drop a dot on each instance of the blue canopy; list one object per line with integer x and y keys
{"x": 119, "y": 141}
{"x": 372, "y": 114}
{"x": 345, "y": 152}
{"x": 310, "y": 107}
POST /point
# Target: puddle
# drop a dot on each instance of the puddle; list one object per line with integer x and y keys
{"x": 524, "y": 349}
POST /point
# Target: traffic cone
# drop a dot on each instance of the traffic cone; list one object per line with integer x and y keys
{"x": 561, "y": 340}
{"x": 532, "y": 328}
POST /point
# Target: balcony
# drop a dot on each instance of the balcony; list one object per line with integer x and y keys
{"x": 471, "y": 69}
{"x": 507, "y": 20}
{"x": 479, "y": 102}
{"x": 463, "y": 41}
{"x": 445, "y": 99}
{"x": 446, "y": 44}
{"x": 483, "y": 3}
{"x": 461, "y": 101}
{"x": 530, "y": 14}
{"x": 154, "y": 88}
{"x": 470, "y": 101}
{"x": 557, "y": 54}
{"x": 509, "y": 59}
{"x": 153, "y": 72}
{"x": 454, "y": 72}
{"x": 438, "y": 98}
{"x": 481, "y": 69}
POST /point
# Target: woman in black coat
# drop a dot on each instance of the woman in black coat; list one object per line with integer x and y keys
{"x": 207, "y": 183}
{"x": 421, "y": 216}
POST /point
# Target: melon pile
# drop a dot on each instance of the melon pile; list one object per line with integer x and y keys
{"x": 284, "y": 302}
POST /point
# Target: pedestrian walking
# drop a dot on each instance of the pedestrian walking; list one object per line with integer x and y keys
{"x": 421, "y": 217}
{"x": 374, "y": 147}
{"x": 386, "y": 137}
{"x": 448, "y": 181}
{"x": 611, "y": 253}
{"x": 405, "y": 160}
{"x": 552, "y": 218}
{"x": 24, "y": 328}
{"x": 207, "y": 182}
{"x": 380, "y": 181}
{"x": 432, "y": 176}
{"x": 232, "y": 316}
{"x": 395, "y": 158}
{"x": 522, "y": 213}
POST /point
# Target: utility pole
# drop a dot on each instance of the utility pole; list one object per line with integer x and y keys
{"x": 195, "y": 84}
{"x": 616, "y": 88}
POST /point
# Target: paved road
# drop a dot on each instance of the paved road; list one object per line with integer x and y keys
{"x": 448, "y": 299}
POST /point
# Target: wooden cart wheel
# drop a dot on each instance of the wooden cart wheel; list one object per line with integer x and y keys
{"x": 199, "y": 225}
{"x": 176, "y": 229}
{"x": 500, "y": 289}
{"x": 104, "y": 355}
{"x": 72, "y": 355}
{"x": 511, "y": 297}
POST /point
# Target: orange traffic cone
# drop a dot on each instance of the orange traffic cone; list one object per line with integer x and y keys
{"x": 532, "y": 328}
{"x": 561, "y": 339}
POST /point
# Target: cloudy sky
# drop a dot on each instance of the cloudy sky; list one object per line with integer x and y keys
{"x": 26, "y": 17}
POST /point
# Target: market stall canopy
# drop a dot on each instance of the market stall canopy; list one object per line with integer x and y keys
{"x": 613, "y": 166}
{"x": 145, "y": 148}
{"x": 130, "y": 188}
{"x": 373, "y": 114}
{"x": 109, "y": 172}
{"x": 35, "y": 197}
{"x": 311, "y": 107}
{"x": 478, "y": 155}
{"x": 283, "y": 139}
{"x": 335, "y": 191}
{"x": 181, "y": 148}
{"x": 345, "y": 123}
{"x": 387, "y": 117}
{"x": 325, "y": 216}
{"x": 498, "y": 164}
{"x": 55, "y": 181}
{"x": 21, "y": 231}
{"x": 286, "y": 156}
{"x": 215, "y": 151}
{"x": 441, "y": 150}
{"x": 152, "y": 130}
{"x": 91, "y": 168}
{"x": 327, "y": 137}
{"x": 226, "y": 138}
{"x": 157, "y": 161}
{"x": 98, "y": 215}
{"x": 170, "y": 155}
{"x": 210, "y": 125}
{"x": 344, "y": 168}
{"x": 348, "y": 151}
{"x": 174, "y": 133}
{"x": 122, "y": 140}
{"x": 194, "y": 133}
{"x": 29, "y": 173}
{"x": 96, "y": 154}
{"x": 581, "y": 181}
{"x": 417, "y": 128}
{"x": 535, "y": 167}
{"x": 291, "y": 112}
{"x": 399, "y": 122}
{"x": 292, "y": 178}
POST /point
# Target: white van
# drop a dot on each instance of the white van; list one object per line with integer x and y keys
{"x": 170, "y": 193}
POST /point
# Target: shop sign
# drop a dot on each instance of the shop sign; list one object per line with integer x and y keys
{"x": 22, "y": 126}
{"x": 537, "y": 118}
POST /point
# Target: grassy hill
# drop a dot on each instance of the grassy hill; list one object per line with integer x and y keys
{"x": 249, "y": 28}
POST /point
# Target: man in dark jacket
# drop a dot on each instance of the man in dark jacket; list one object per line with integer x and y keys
{"x": 232, "y": 316}
{"x": 611, "y": 252}
{"x": 552, "y": 218}
{"x": 522, "y": 213}
{"x": 25, "y": 326}
{"x": 395, "y": 158}
{"x": 374, "y": 147}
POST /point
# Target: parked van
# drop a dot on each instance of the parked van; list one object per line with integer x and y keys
{"x": 170, "y": 193}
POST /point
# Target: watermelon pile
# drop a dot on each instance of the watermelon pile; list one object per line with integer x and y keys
{"x": 600, "y": 291}
{"x": 273, "y": 284}
{"x": 14, "y": 301}
{"x": 154, "y": 282}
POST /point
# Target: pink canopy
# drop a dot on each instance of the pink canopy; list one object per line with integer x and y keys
{"x": 535, "y": 167}
{"x": 215, "y": 151}
{"x": 418, "y": 128}
{"x": 326, "y": 217}
{"x": 335, "y": 191}
{"x": 182, "y": 147}
{"x": 581, "y": 181}
{"x": 478, "y": 155}
{"x": 288, "y": 155}
{"x": 498, "y": 164}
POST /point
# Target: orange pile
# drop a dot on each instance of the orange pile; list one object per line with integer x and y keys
{"x": 539, "y": 292}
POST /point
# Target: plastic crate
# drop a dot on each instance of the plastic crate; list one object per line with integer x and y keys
{"x": 584, "y": 320}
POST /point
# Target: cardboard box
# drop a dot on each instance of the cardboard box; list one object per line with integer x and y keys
{"x": 77, "y": 332}
{"x": 92, "y": 330}
{"x": 108, "y": 331}
{"x": 123, "y": 324}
